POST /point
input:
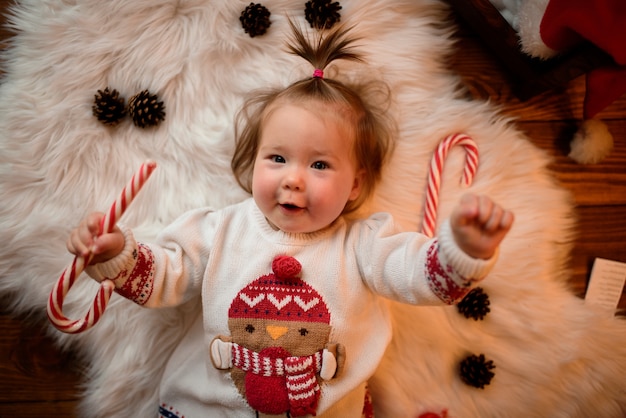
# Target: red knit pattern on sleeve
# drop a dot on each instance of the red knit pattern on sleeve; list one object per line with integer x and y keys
{"x": 443, "y": 279}
{"x": 138, "y": 285}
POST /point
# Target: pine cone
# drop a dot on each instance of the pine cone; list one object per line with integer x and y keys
{"x": 476, "y": 371}
{"x": 255, "y": 19}
{"x": 475, "y": 304}
{"x": 108, "y": 107}
{"x": 322, "y": 14}
{"x": 145, "y": 109}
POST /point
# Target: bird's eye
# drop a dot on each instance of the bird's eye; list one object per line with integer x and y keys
{"x": 303, "y": 331}
{"x": 250, "y": 328}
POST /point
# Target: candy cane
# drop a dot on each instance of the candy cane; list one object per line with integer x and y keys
{"x": 434, "y": 176}
{"x": 67, "y": 279}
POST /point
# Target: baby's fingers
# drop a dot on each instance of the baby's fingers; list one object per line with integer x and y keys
{"x": 485, "y": 210}
{"x": 500, "y": 220}
{"x": 81, "y": 239}
{"x": 78, "y": 245}
{"x": 93, "y": 222}
{"x": 507, "y": 220}
{"x": 493, "y": 219}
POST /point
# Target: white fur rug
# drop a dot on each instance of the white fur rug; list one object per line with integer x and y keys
{"x": 554, "y": 356}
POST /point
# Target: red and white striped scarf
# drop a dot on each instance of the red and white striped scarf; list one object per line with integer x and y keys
{"x": 300, "y": 374}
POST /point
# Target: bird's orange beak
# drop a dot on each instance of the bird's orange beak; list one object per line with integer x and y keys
{"x": 276, "y": 332}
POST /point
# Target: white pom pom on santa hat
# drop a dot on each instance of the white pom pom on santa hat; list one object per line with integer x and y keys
{"x": 592, "y": 142}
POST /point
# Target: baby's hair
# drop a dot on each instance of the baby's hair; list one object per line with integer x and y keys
{"x": 371, "y": 127}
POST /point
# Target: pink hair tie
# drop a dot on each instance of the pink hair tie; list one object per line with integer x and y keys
{"x": 318, "y": 73}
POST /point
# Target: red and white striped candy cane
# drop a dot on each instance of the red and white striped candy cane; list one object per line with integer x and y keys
{"x": 71, "y": 273}
{"x": 434, "y": 176}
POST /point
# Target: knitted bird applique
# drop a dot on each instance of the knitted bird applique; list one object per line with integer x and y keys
{"x": 279, "y": 349}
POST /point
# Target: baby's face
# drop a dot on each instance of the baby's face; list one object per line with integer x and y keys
{"x": 305, "y": 170}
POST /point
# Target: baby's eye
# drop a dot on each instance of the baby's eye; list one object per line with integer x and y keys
{"x": 277, "y": 158}
{"x": 303, "y": 331}
{"x": 319, "y": 165}
{"x": 250, "y": 328}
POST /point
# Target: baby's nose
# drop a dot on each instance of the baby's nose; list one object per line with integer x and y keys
{"x": 294, "y": 180}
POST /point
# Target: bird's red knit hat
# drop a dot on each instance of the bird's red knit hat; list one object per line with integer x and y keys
{"x": 281, "y": 295}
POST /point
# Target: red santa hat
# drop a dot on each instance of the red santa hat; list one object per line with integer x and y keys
{"x": 281, "y": 295}
{"x": 566, "y": 23}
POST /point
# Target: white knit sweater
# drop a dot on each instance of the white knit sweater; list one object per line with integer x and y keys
{"x": 349, "y": 266}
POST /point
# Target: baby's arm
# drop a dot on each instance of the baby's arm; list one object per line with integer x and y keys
{"x": 87, "y": 239}
{"x": 479, "y": 224}
{"x": 166, "y": 273}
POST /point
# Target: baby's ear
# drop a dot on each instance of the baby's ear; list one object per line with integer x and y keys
{"x": 359, "y": 178}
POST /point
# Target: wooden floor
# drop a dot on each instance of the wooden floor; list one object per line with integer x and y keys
{"x": 36, "y": 380}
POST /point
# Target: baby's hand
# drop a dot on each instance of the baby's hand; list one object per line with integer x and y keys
{"x": 86, "y": 239}
{"x": 479, "y": 225}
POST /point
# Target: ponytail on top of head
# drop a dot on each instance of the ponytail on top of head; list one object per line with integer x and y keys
{"x": 357, "y": 104}
{"x": 337, "y": 45}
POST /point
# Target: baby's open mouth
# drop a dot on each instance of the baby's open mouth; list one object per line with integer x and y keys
{"x": 290, "y": 206}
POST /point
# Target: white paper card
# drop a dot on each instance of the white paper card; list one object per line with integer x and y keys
{"x": 606, "y": 283}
